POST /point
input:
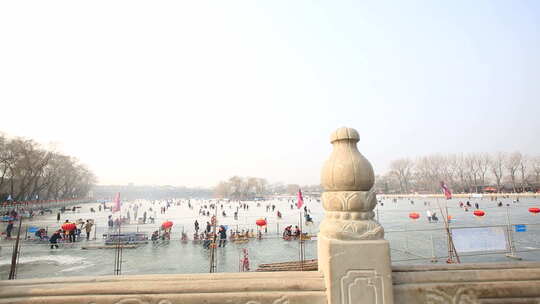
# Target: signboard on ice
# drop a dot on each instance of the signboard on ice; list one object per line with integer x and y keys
{"x": 520, "y": 228}
{"x": 33, "y": 229}
{"x": 479, "y": 239}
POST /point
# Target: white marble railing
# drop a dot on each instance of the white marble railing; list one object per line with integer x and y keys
{"x": 353, "y": 259}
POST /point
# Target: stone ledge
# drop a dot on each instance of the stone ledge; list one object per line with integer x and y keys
{"x": 215, "y": 298}
{"x": 251, "y": 288}
{"x": 465, "y": 266}
{"x": 163, "y": 277}
{"x": 489, "y": 283}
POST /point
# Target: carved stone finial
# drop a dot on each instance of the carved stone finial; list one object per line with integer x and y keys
{"x": 347, "y": 178}
{"x": 346, "y": 169}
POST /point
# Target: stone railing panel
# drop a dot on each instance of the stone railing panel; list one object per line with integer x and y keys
{"x": 241, "y": 288}
{"x": 490, "y": 283}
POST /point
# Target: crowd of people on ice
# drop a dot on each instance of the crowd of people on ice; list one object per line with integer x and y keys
{"x": 70, "y": 232}
{"x": 431, "y": 214}
{"x": 139, "y": 212}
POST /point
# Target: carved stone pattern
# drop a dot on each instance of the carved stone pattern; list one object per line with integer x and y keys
{"x": 281, "y": 300}
{"x": 359, "y": 201}
{"x": 372, "y": 281}
{"x": 363, "y": 230}
{"x": 133, "y": 300}
{"x": 462, "y": 295}
{"x": 351, "y": 230}
{"x": 138, "y": 301}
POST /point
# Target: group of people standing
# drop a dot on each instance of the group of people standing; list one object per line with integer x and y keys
{"x": 289, "y": 234}
{"x": 71, "y": 232}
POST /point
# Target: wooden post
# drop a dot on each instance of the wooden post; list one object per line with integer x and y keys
{"x": 13, "y": 269}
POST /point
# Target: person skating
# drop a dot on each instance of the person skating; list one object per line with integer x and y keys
{"x": 54, "y": 239}
{"x": 110, "y": 222}
{"x": 207, "y": 241}
{"x": 155, "y": 236}
{"x": 72, "y": 235}
{"x": 297, "y": 232}
{"x": 222, "y": 236}
{"x": 309, "y": 220}
{"x": 9, "y": 228}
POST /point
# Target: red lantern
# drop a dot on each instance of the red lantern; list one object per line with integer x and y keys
{"x": 534, "y": 210}
{"x": 479, "y": 213}
{"x": 69, "y": 226}
{"x": 167, "y": 225}
{"x": 414, "y": 215}
{"x": 260, "y": 222}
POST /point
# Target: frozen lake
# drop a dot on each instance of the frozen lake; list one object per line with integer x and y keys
{"x": 408, "y": 245}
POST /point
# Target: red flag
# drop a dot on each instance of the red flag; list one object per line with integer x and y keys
{"x": 300, "y": 199}
{"x": 446, "y": 191}
{"x": 116, "y": 207}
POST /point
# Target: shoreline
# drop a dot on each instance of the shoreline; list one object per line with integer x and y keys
{"x": 460, "y": 195}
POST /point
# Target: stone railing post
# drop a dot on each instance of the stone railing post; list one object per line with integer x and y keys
{"x": 353, "y": 254}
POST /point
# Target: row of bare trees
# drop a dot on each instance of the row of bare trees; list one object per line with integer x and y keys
{"x": 243, "y": 188}
{"x": 474, "y": 172}
{"x": 29, "y": 172}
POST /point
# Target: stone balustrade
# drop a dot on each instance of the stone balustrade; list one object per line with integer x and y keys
{"x": 486, "y": 283}
{"x": 353, "y": 259}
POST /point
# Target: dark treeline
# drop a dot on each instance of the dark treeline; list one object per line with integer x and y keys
{"x": 476, "y": 172}
{"x": 29, "y": 172}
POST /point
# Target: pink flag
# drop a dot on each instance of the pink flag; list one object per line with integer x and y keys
{"x": 446, "y": 191}
{"x": 116, "y": 207}
{"x": 300, "y": 199}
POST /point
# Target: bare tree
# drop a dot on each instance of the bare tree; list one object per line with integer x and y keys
{"x": 222, "y": 190}
{"x": 457, "y": 171}
{"x": 523, "y": 166}
{"x": 241, "y": 188}
{"x": 512, "y": 164}
{"x": 260, "y": 188}
{"x": 27, "y": 172}
{"x": 497, "y": 166}
{"x": 447, "y": 172}
{"x": 535, "y": 164}
{"x": 472, "y": 170}
{"x": 236, "y": 187}
{"x": 402, "y": 169}
{"x": 292, "y": 189}
{"x": 465, "y": 173}
{"x": 483, "y": 163}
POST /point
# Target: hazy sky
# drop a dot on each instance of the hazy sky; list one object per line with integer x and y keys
{"x": 193, "y": 92}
